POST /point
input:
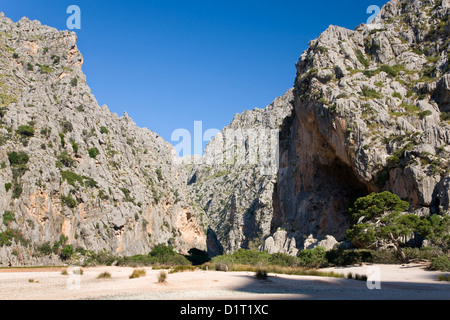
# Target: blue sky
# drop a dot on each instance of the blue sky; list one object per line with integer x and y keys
{"x": 169, "y": 63}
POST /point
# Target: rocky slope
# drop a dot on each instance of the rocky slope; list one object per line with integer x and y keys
{"x": 234, "y": 181}
{"x": 73, "y": 171}
{"x": 370, "y": 113}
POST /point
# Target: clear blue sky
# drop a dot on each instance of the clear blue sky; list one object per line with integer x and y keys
{"x": 169, "y": 63}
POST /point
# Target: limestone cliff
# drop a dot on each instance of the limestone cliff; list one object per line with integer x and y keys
{"x": 71, "y": 168}
{"x": 370, "y": 114}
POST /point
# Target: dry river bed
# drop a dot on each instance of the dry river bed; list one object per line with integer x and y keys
{"x": 386, "y": 282}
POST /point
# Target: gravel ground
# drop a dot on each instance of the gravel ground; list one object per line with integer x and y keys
{"x": 409, "y": 282}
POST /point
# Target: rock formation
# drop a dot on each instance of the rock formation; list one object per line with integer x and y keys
{"x": 370, "y": 114}
{"x": 71, "y": 168}
{"x": 370, "y": 111}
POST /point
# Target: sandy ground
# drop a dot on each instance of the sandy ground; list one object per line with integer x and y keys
{"x": 408, "y": 282}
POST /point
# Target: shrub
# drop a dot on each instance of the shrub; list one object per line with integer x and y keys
{"x": 65, "y": 159}
{"x": 162, "y": 277}
{"x": 45, "y": 249}
{"x": 56, "y": 59}
{"x": 8, "y": 217}
{"x": 362, "y": 59}
{"x": 104, "y": 275}
{"x": 137, "y": 273}
{"x": 371, "y": 93}
{"x": 314, "y": 258}
{"x": 283, "y": 260}
{"x": 67, "y": 252}
{"x": 261, "y": 274}
{"x": 15, "y": 55}
{"x": 441, "y": 263}
{"x": 425, "y": 114}
{"x": 397, "y": 95}
{"x": 44, "y": 68}
{"x": 30, "y": 67}
{"x": 68, "y": 201}
{"x": 74, "y": 82}
{"x": 8, "y": 186}
{"x": 17, "y": 191}
{"x": 66, "y": 126}
{"x": 74, "y": 145}
{"x": 25, "y": 130}
{"x": 445, "y": 116}
{"x": 165, "y": 255}
{"x": 104, "y": 130}
{"x": 93, "y": 152}
{"x": 18, "y": 158}
{"x": 349, "y": 257}
{"x": 71, "y": 178}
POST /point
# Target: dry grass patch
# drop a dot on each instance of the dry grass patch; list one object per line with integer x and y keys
{"x": 138, "y": 273}
{"x": 162, "y": 277}
{"x": 104, "y": 275}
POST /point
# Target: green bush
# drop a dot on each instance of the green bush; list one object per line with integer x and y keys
{"x": 362, "y": 59}
{"x": 425, "y": 114}
{"x": 17, "y": 191}
{"x": 314, "y": 258}
{"x": 137, "y": 273}
{"x": 283, "y": 260}
{"x": 104, "y": 130}
{"x": 93, "y": 152}
{"x": 8, "y": 217}
{"x": 441, "y": 263}
{"x": 261, "y": 274}
{"x": 349, "y": 257}
{"x": 45, "y": 249}
{"x": 18, "y": 158}
{"x": 65, "y": 159}
{"x": 67, "y": 252}
{"x": 371, "y": 93}
{"x": 165, "y": 255}
{"x": 71, "y": 178}
{"x": 68, "y": 201}
{"x": 8, "y": 186}
{"x": 445, "y": 116}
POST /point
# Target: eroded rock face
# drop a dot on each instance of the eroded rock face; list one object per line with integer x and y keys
{"x": 234, "y": 184}
{"x": 92, "y": 176}
{"x": 369, "y": 115}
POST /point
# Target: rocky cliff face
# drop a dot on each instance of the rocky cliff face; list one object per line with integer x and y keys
{"x": 370, "y": 114}
{"x": 234, "y": 181}
{"x": 370, "y": 111}
{"x": 71, "y": 168}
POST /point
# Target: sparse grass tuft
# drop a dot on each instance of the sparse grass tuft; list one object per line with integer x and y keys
{"x": 138, "y": 273}
{"x": 162, "y": 277}
{"x": 104, "y": 275}
{"x": 261, "y": 274}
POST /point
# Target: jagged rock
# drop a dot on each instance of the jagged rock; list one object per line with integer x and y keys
{"x": 280, "y": 242}
{"x": 91, "y": 176}
{"x": 234, "y": 184}
{"x": 372, "y": 124}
